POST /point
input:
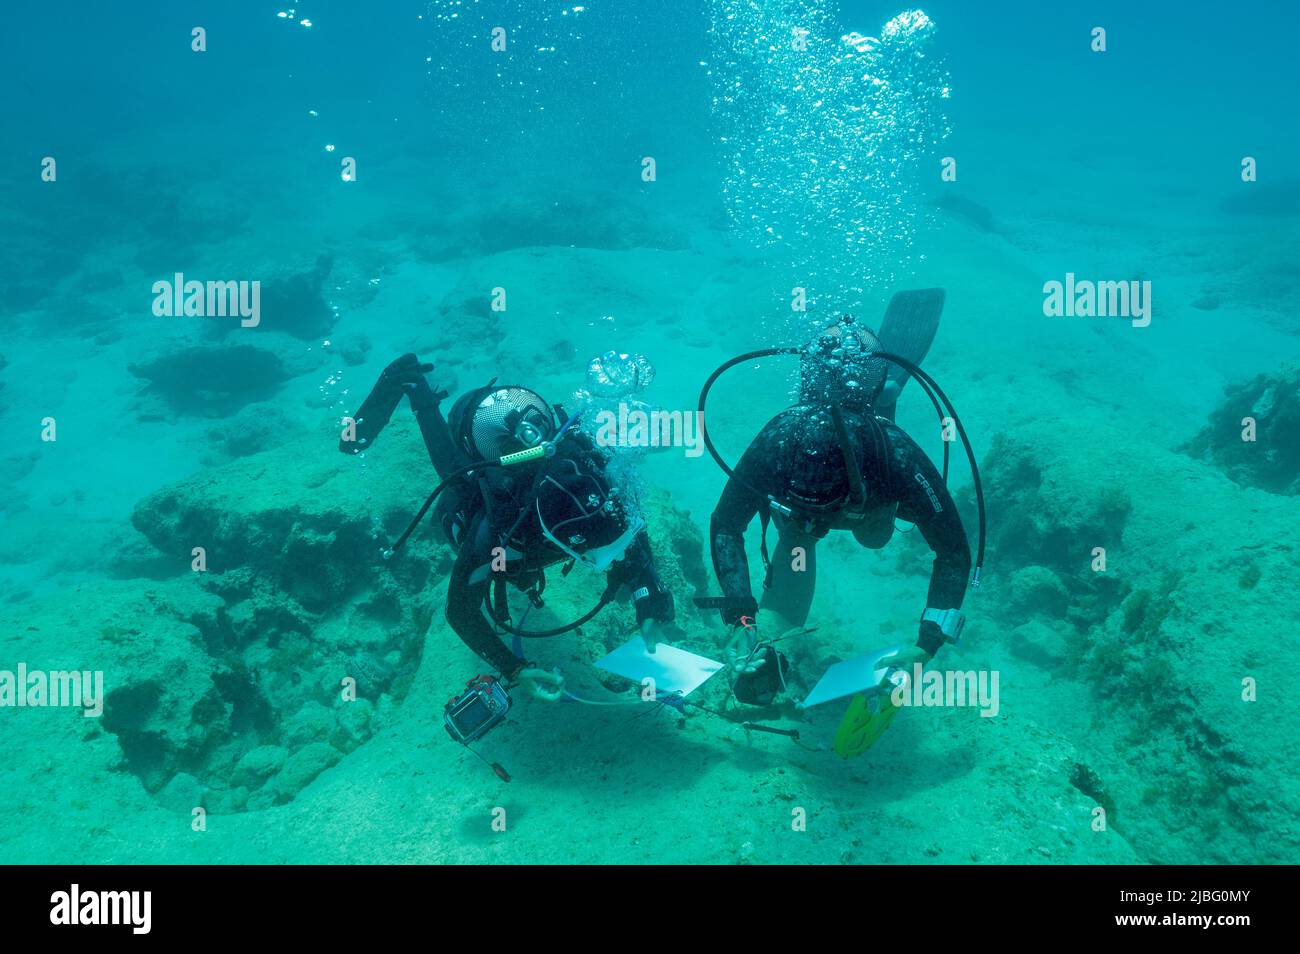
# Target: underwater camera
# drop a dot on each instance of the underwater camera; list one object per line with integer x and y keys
{"x": 760, "y": 686}
{"x": 473, "y": 713}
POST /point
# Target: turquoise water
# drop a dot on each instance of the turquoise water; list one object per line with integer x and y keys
{"x": 1147, "y": 701}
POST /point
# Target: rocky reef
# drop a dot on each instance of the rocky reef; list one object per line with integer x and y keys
{"x": 213, "y": 381}
{"x": 293, "y": 302}
{"x": 218, "y": 380}
{"x": 1265, "y": 453}
{"x": 282, "y": 639}
{"x": 590, "y": 219}
{"x": 308, "y": 637}
{"x": 293, "y": 671}
{"x": 1176, "y": 632}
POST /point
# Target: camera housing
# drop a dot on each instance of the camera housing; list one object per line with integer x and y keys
{"x": 474, "y": 712}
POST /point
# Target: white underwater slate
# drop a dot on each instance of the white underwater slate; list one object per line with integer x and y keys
{"x": 672, "y": 669}
{"x": 850, "y": 677}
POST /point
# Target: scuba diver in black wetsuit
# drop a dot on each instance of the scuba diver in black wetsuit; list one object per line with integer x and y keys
{"x": 837, "y": 461}
{"x": 519, "y": 493}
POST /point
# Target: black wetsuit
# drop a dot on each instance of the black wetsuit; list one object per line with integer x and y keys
{"x": 899, "y": 479}
{"x": 495, "y": 511}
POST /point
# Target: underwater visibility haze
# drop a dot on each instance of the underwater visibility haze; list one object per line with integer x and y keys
{"x": 703, "y": 432}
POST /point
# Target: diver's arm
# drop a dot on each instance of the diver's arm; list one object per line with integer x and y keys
{"x": 923, "y": 499}
{"x": 735, "y": 511}
{"x": 469, "y": 586}
{"x": 637, "y": 571}
{"x": 446, "y": 457}
{"x": 403, "y": 376}
{"x": 374, "y": 413}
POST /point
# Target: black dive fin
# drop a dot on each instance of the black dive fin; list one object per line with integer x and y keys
{"x": 910, "y": 324}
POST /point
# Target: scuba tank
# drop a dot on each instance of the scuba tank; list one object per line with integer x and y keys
{"x": 840, "y": 367}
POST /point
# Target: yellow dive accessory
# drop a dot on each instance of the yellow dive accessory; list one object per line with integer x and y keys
{"x": 524, "y": 456}
{"x": 864, "y": 723}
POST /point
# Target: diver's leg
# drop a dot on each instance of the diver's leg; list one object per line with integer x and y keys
{"x": 794, "y": 577}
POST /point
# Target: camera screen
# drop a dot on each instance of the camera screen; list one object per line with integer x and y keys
{"x": 474, "y": 713}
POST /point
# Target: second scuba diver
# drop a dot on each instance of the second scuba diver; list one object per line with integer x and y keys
{"x": 837, "y": 461}
{"x": 520, "y": 493}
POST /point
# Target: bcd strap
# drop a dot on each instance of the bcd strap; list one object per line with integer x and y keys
{"x": 484, "y": 492}
{"x": 764, "y": 518}
{"x": 852, "y": 469}
{"x": 500, "y": 602}
{"x": 881, "y": 439}
{"x": 537, "y": 589}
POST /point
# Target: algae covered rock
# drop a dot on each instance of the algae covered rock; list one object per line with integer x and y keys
{"x": 303, "y": 610}
{"x": 1254, "y": 434}
{"x": 183, "y": 793}
{"x": 353, "y": 721}
{"x": 213, "y": 381}
{"x": 299, "y": 519}
{"x": 1036, "y": 590}
{"x": 303, "y": 767}
{"x": 1038, "y": 516}
{"x": 1178, "y": 634}
{"x": 258, "y": 765}
{"x": 310, "y": 723}
{"x": 220, "y": 379}
{"x": 251, "y": 431}
{"x": 301, "y": 606}
{"x": 293, "y": 302}
{"x": 1046, "y": 531}
{"x": 1041, "y": 644}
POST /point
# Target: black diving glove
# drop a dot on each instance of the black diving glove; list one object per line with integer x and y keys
{"x": 405, "y": 376}
{"x": 654, "y": 603}
{"x": 929, "y": 638}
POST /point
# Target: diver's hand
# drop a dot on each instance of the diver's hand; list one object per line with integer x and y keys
{"x": 540, "y": 684}
{"x": 658, "y": 632}
{"x": 405, "y": 370}
{"x": 406, "y": 376}
{"x": 905, "y": 661}
{"x": 650, "y": 635}
{"x": 739, "y": 648}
